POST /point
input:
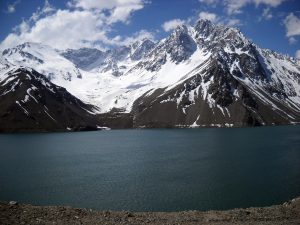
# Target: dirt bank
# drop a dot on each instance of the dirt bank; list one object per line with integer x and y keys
{"x": 13, "y": 213}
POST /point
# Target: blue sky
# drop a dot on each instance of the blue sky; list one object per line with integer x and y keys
{"x": 273, "y": 24}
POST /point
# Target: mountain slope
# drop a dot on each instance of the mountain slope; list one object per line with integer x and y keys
{"x": 44, "y": 60}
{"x": 206, "y": 75}
{"x": 29, "y": 102}
{"x": 189, "y": 104}
{"x": 239, "y": 85}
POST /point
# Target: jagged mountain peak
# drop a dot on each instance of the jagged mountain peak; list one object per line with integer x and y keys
{"x": 206, "y": 71}
{"x": 144, "y": 41}
{"x": 179, "y": 46}
{"x": 114, "y": 60}
{"x": 85, "y": 50}
{"x": 141, "y": 48}
{"x": 26, "y": 46}
{"x": 204, "y": 27}
{"x": 211, "y": 33}
{"x": 179, "y": 29}
{"x": 4, "y": 64}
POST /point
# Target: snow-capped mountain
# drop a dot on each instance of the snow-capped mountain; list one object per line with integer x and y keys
{"x": 238, "y": 84}
{"x": 206, "y": 75}
{"x": 114, "y": 61}
{"x": 43, "y": 59}
{"x": 84, "y": 58}
{"x": 29, "y": 101}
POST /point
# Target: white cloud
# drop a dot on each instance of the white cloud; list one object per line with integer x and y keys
{"x": 209, "y": 1}
{"x": 138, "y": 36}
{"x": 235, "y": 6}
{"x": 292, "y": 40}
{"x": 208, "y": 16}
{"x": 272, "y": 3}
{"x": 22, "y": 27}
{"x": 172, "y": 24}
{"x": 101, "y": 4}
{"x": 120, "y": 10}
{"x": 11, "y": 8}
{"x": 234, "y": 22}
{"x": 84, "y": 24}
{"x": 212, "y": 3}
{"x": 297, "y": 55}
{"x": 64, "y": 29}
{"x": 122, "y": 13}
{"x": 47, "y": 9}
{"x": 221, "y": 20}
{"x": 292, "y": 25}
{"x": 267, "y": 13}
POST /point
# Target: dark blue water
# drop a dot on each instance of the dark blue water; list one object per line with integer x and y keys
{"x": 153, "y": 170}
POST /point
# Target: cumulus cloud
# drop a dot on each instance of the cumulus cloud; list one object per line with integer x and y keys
{"x": 86, "y": 23}
{"x": 208, "y": 16}
{"x": 172, "y": 24}
{"x": 292, "y": 25}
{"x": 120, "y": 10}
{"x": 64, "y": 29}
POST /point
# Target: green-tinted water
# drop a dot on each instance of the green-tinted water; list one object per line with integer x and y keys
{"x": 153, "y": 170}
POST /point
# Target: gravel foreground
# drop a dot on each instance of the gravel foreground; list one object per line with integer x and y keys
{"x": 13, "y": 214}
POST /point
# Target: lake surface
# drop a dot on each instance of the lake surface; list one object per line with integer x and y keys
{"x": 153, "y": 170}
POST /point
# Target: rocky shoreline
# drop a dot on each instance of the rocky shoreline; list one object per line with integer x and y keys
{"x": 13, "y": 213}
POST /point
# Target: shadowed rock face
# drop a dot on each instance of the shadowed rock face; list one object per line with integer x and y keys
{"x": 84, "y": 57}
{"x": 90, "y": 58}
{"x": 237, "y": 86}
{"x": 30, "y": 102}
{"x": 214, "y": 97}
{"x": 141, "y": 48}
{"x": 180, "y": 46}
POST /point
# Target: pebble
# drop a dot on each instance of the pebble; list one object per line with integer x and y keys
{"x": 129, "y": 214}
{"x": 13, "y": 203}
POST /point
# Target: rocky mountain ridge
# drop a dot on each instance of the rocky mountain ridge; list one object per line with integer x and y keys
{"x": 206, "y": 75}
{"x": 30, "y": 102}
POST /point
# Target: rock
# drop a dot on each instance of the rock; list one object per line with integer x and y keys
{"x": 129, "y": 214}
{"x": 272, "y": 215}
{"x": 106, "y": 214}
{"x": 13, "y": 203}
